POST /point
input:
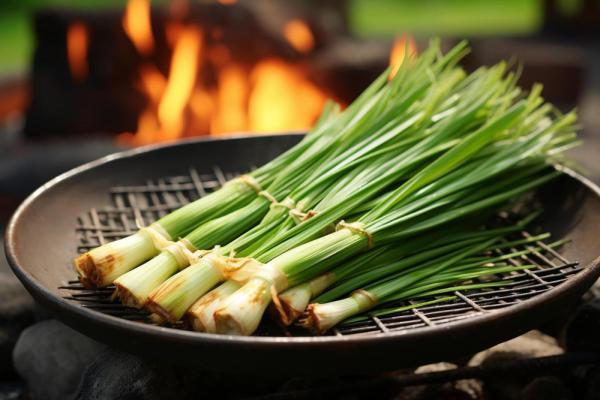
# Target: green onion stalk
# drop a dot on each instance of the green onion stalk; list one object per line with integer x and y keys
{"x": 431, "y": 279}
{"x": 371, "y": 265}
{"x": 319, "y": 318}
{"x": 322, "y": 317}
{"x": 514, "y": 136}
{"x": 172, "y": 298}
{"x": 242, "y": 311}
{"x": 100, "y": 266}
{"x": 323, "y": 160}
{"x": 400, "y": 281}
{"x": 381, "y": 159}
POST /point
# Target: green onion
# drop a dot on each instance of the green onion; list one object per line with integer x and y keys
{"x": 379, "y": 202}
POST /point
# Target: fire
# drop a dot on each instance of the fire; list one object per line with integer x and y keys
{"x": 282, "y": 98}
{"x": 231, "y": 100}
{"x": 209, "y": 91}
{"x": 77, "y": 46}
{"x": 182, "y": 76}
{"x": 299, "y": 35}
{"x": 403, "y": 47}
{"x": 137, "y": 25}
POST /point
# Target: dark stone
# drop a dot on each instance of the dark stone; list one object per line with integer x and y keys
{"x": 546, "y": 388}
{"x": 16, "y": 313}
{"x": 116, "y": 375}
{"x": 583, "y": 331}
{"x": 464, "y": 389}
{"x": 51, "y": 358}
{"x": 12, "y": 390}
{"x": 592, "y": 391}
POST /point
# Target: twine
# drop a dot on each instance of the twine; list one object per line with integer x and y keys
{"x": 364, "y": 298}
{"x": 250, "y": 182}
{"x": 267, "y": 196}
{"x": 300, "y": 216}
{"x": 159, "y": 236}
{"x": 356, "y": 227}
{"x": 273, "y": 275}
{"x": 184, "y": 253}
{"x": 183, "y": 250}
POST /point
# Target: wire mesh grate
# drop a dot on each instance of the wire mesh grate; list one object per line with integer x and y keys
{"x": 132, "y": 206}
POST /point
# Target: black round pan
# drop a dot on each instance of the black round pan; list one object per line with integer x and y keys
{"x": 41, "y": 243}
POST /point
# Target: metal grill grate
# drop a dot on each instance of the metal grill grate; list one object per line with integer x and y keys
{"x": 131, "y": 206}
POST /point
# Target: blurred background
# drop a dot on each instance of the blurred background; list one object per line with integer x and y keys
{"x": 81, "y": 79}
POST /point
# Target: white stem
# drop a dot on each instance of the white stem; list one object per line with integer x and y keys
{"x": 134, "y": 287}
{"x": 322, "y": 317}
{"x": 102, "y": 265}
{"x": 173, "y": 297}
{"x": 292, "y": 303}
{"x": 201, "y": 313}
{"x": 241, "y": 313}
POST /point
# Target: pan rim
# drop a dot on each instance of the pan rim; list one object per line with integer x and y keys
{"x": 589, "y": 274}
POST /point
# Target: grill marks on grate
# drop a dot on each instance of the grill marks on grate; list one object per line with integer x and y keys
{"x": 131, "y": 206}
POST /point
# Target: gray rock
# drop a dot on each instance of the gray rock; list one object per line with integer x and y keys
{"x": 116, "y": 375}
{"x": 592, "y": 390}
{"x": 16, "y": 313}
{"x": 532, "y": 344}
{"x": 546, "y": 388}
{"x": 509, "y": 386}
{"x": 51, "y": 358}
{"x": 467, "y": 389}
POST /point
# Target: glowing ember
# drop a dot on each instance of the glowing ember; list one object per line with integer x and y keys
{"x": 182, "y": 76}
{"x": 299, "y": 35}
{"x": 77, "y": 46}
{"x": 136, "y": 23}
{"x": 282, "y": 98}
{"x": 403, "y": 46}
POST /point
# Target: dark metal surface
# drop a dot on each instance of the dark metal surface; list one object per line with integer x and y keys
{"x": 102, "y": 200}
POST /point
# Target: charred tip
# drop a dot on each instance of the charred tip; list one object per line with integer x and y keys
{"x": 157, "y": 319}
{"x": 227, "y": 324}
{"x": 283, "y": 311}
{"x": 86, "y": 269}
{"x": 310, "y": 321}
{"x": 160, "y": 311}
{"x": 126, "y": 297}
{"x": 194, "y": 322}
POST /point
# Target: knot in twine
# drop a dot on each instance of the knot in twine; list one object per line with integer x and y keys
{"x": 250, "y": 182}
{"x": 183, "y": 251}
{"x": 300, "y": 216}
{"x": 356, "y": 227}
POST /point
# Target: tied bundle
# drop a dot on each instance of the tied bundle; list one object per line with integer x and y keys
{"x": 383, "y": 201}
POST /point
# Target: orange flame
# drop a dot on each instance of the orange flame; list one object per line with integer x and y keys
{"x": 271, "y": 96}
{"x": 153, "y": 82}
{"x": 231, "y": 100}
{"x": 282, "y": 98}
{"x": 182, "y": 76}
{"x": 404, "y": 47}
{"x": 77, "y": 46}
{"x": 137, "y": 25}
{"x": 299, "y": 35}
